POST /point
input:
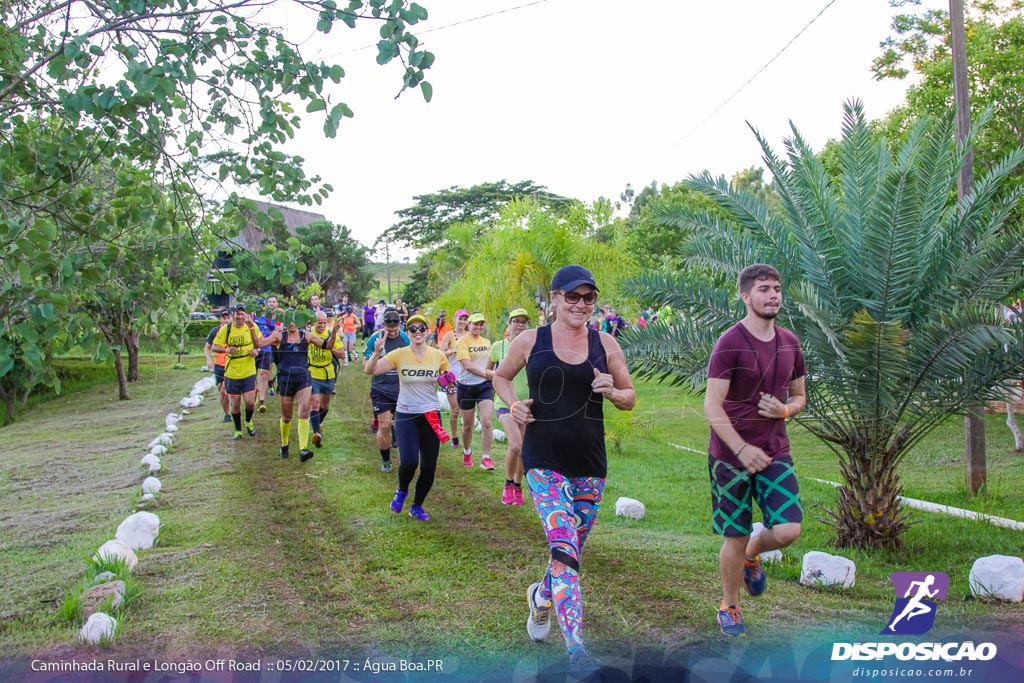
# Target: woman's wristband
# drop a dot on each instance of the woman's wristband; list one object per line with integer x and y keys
{"x": 785, "y": 411}
{"x": 745, "y": 444}
{"x": 512, "y": 408}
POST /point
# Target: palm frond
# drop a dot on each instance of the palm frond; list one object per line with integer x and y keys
{"x": 678, "y": 353}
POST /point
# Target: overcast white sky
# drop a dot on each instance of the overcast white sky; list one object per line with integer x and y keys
{"x": 585, "y": 96}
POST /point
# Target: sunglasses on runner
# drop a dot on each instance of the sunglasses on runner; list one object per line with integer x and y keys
{"x": 417, "y": 328}
{"x": 574, "y": 297}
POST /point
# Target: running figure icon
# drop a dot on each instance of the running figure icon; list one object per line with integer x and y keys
{"x": 914, "y": 612}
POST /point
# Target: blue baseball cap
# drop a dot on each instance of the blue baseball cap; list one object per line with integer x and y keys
{"x": 569, "y": 278}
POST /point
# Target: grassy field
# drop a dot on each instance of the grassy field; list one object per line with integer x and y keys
{"x": 260, "y": 556}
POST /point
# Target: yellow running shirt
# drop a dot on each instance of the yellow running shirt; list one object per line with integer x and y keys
{"x": 470, "y": 350}
{"x": 417, "y": 378}
{"x": 240, "y": 364}
{"x": 321, "y": 361}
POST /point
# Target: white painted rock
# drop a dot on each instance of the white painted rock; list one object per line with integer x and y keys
{"x": 138, "y": 531}
{"x": 149, "y": 459}
{"x": 164, "y": 439}
{"x": 171, "y": 427}
{"x": 499, "y": 435}
{"x": 158, "y": 450}
{"x": 768, "y": 556}
{"x": 112, "y": 550}
{"x": 154, "y": 468}
{"x": 103, "y": 577}
{"x": 172, "y": 418}
{"x": 99, "y": 626}
{"x": 151, "y": 485}
{"x": 628, "y": 507}
{"x": 146, "y": 497}
{"x": 821, "y": 569}
{"x": 190, "y": 402}
{"x": 998, "y": 576}
{"x": 186, "y": 412}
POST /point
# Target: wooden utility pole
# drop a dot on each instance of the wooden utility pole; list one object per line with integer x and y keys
{"x": 387, "y": 258}
{"x": 974, "y": 421}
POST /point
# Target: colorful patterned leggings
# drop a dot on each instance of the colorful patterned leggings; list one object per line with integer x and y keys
{"x": 567, "y": 508}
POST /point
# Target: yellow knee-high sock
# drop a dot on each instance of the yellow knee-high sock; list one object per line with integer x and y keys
{"x": 286, "y": 430}
{"x": 303, "y": 433}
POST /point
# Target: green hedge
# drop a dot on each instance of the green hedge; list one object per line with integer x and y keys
{"x": 198, "y": 329}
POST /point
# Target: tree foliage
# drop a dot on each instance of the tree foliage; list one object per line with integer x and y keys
{"x": 512, "y": 264}
{"x": 893, "y": 286}
{"x": 994, "y": 33}
{"x": 115, "y": 116}
{"x": 335, "y": 255}
{"x": 426, "y": 224}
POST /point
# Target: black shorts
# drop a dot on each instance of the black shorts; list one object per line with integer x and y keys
{"x": 290, "y": 384}
{"x": 237, "y": 387}
{"x": 264, "y": 360}
{"x": 471, "y": 394}
{"x": 383, "y": 402}
{"x": 732, "y": 491}
{"x": 218, "y": 373}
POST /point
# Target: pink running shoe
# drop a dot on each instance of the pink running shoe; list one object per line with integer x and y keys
{"x": 517, "y": 491}
{"x": 508, "y": 497}
{"x": 467, "y": 459}
{"x": 485, "y": 463}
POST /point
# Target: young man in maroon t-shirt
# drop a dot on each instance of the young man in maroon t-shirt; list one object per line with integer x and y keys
{"x": 755, "y": 382}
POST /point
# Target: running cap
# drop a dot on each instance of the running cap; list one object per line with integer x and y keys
{"x": 477, "y": 318}
{"x": 569, "y": 278}
{"x": 461, "y": 312}
{"x": 518, "y": 313}
{"x": 443, "y": 312}
{"x": 226, "y": 311}
{"x": 239, "y": 306}
{"x": 382, "y": 301}
{"x": 261, "y": 301}
{"x": 417, "y": 319}
{"x": 391, "y": 316}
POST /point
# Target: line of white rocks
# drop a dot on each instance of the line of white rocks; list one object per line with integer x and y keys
{"x": 138, "y": 531}
{"x": 995, "y": 576}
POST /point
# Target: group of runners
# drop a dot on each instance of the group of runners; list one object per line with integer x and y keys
{"x": 550, "y": 384}
{"x": 242, "y": 351}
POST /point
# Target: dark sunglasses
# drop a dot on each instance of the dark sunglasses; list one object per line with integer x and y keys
{"x": 574, "y": 297}
{"x": 417, "y": 328}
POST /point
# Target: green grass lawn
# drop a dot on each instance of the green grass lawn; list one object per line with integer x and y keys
{"x": 263, "y": 556}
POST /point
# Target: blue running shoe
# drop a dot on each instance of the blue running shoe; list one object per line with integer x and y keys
{"x": 731, "y": 621}
{"x": 754, "y": 579}
{"x": 398, "y": 502}
{"x": 417, "y": 512}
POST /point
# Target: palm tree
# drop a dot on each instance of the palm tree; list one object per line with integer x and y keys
{"x": 893, "y": 286}
{"x": 512, "y": 263}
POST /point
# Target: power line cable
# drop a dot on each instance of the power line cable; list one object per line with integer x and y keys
{"x": 751, "y": 79}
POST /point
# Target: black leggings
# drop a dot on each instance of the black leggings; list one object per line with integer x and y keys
{"x": 418, "y": 446}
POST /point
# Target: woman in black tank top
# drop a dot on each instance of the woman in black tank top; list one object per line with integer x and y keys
{"x": 571, "y": 369}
